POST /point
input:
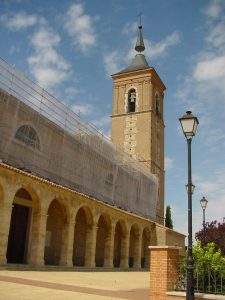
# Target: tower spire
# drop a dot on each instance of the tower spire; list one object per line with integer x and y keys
{"x": 140, "y": 46}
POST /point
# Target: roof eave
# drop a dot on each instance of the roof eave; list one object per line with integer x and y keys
{"x": 122, "y": 73}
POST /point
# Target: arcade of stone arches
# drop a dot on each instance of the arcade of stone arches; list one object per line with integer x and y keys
{"x": 43, "y": 227}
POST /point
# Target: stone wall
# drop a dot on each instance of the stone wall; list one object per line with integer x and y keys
{"x": 55, "y": 212}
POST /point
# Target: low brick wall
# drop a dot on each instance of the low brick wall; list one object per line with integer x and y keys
{"x": 198, "y": 296}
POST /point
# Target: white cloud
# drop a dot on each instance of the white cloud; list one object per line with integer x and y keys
{"x": 214, "y": 9}
{"x": 213, "y": 189}
{"x": 168, "y": 163}
{"x": 46, "y": 64}
{"x": 19, "y": 21}
{"x": 159, "y": 49}
{"x": 216, "y": 36}
{"x": 130, "y": 28}
{"x": 210, "y": 69}
{"x": 103, "y": 123}
{"x": 83, "y": 109}
{"x": 153, "y": 50}
{"x": 112, "y": 62}
{"x": 71, "y": 92}
{"x": 207, "y": 78}
{"x": 80, "y": 27}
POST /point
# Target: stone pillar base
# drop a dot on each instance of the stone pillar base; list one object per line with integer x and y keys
{"x": 124, "y": 264}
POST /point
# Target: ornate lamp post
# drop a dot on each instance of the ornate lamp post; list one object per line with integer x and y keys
{"x": 204, "y": 203}
{"x": 189, "y": 124}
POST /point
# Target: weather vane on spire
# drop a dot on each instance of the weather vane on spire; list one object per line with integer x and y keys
{"x": 140, "y": 24}
{"x": 140, "y": 46}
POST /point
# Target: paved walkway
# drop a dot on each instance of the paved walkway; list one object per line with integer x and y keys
{"x": 25, "y": 285}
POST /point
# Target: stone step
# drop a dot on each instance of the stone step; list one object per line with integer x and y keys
{"x": 24, "y": 267}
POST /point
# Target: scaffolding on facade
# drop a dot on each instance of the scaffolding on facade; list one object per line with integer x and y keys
{"x": 42, "y": 135}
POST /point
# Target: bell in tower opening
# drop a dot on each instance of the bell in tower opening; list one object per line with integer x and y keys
{"x": 131, "y": 101}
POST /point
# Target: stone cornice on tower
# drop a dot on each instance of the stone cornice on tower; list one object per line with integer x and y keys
{"x": 150, "y": 72}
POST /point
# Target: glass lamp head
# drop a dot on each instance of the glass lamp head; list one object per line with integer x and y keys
{"x": 192, "y": 188}
{"x": 189, "y": 124}
{"x": 204, "y": 203}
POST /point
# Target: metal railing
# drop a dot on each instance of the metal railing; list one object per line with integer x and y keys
{"x": 206, "y": 281}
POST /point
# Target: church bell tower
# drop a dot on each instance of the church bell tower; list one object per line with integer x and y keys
{"x": 137, "y": 116}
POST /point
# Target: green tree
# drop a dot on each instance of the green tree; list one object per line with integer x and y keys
{"x": 209, "y": 268}
{"x": 168, "y": 220}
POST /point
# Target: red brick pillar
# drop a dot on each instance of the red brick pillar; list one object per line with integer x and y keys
{"x": 164, "y": 268}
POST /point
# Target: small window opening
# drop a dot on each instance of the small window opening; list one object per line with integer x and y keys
{"x": 28, "y": 136}
{"x": 157, "y": 104}
{"x": 131, "y": 101}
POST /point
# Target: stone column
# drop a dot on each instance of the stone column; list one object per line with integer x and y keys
{"x": 109, "y": 247}
{"x": 147, "y": 260}
{"x": 164, "y": 269}
{"x": 91, "y": 245}
{"x": 137, "y": 253}
{"x": 124, "y": 261}
{"x": 66, "y": 258}
{"x": 38, "y": 235}
{"x": 5, "y": 218}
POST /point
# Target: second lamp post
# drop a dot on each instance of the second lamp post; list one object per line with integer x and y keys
{"x": 204, "y": 203}
{"x": 189, "y": 124}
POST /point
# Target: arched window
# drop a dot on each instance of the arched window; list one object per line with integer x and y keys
{"x": 157, "y": 104}
{"x": 28, "y": 136}
{"x": 131, "y": 103}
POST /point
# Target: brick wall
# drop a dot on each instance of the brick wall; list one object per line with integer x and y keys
{"x": 164, "y": 266}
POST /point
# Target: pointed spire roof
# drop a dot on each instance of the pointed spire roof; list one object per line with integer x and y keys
{"x": 140, "y": 46}
{"x": 139, "y": 62}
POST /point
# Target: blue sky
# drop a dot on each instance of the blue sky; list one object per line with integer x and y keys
{"x": 71, "y": 47}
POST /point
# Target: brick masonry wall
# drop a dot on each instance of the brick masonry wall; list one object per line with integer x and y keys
{"x": 164, "y": 266}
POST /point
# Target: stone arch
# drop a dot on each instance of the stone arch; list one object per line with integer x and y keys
{"x": 133, "y": 248}
{"x": 119, "y": 236}
{"x": 83, "y": 221}
{"x": 57, "y": 220}
{"x": 33, "y": 194}
{"x": 146, "y": 236}
{"x": 104, "y": 224}
{"x": 21, "y": 233}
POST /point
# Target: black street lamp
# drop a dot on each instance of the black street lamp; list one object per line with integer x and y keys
{"x": 204, "y": 203}
{"x": 189, "y": 124}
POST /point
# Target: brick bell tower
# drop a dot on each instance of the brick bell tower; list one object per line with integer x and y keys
{"x": 137, "y": 116}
